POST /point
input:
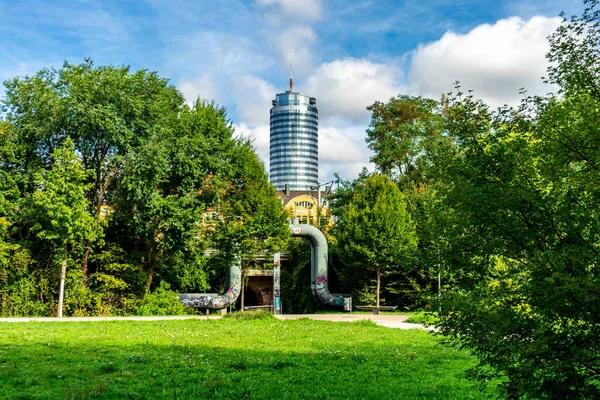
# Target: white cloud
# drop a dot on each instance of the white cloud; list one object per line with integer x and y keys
{"x": 340, "y": 152}
{"x": 296, "y": 9}
{"x": 253, "y": 98}
{"x": 344, "y": 88}
{"x": 202, "y": 86}
{"x": 253, "y": 101}
{"x": 493, "y": 60}
{"x": 337, "y": 146}
{"x": 294, "y": 46}
{"x": 346, "y": 171}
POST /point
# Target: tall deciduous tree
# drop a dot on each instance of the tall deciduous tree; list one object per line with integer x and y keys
{"x": 177, "y": 176}
{"x": 8, "y": 193}
{"x": 376, "y": 232}
{"x": 406, "y": 135}
{"x": 166, "y": 188}
{"x": 60, "y": 209}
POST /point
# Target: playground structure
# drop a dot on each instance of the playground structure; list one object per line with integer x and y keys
{"x": 319, "y": 277}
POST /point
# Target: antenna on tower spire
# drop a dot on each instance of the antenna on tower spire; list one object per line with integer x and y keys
{"x": 291, "y": 78}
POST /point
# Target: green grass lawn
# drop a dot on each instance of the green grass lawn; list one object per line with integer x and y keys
{"x": 228, "y": 359}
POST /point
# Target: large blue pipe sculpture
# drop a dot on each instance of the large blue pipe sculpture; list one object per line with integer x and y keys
{"x": 318, "y": 266}
{"x": 215, "y": 301}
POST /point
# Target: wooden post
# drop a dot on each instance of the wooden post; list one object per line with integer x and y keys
{"x": 61, "y": 290}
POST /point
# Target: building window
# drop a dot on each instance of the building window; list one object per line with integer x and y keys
{"x": 306, "y": 204}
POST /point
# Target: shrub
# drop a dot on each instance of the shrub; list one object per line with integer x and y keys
{"x": 163, "y": 301}
{"x": 423, "y": 317}
{"x": 20, "y": 299}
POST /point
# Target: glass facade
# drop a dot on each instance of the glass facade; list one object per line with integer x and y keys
{"x": 294, "y": 141}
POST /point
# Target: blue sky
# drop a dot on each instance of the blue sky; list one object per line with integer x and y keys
{"x": 348, "y": 54}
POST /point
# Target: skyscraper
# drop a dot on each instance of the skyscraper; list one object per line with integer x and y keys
{"x": 294, "y": 141}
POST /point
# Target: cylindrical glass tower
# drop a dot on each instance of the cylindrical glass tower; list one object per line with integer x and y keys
{"x": 294, "y": 141}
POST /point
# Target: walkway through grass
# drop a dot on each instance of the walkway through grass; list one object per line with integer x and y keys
{"x": 222, "y": 359}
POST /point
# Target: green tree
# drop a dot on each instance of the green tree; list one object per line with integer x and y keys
{"x": 60, "y": 209}
{"x": 9, "y": 192}
{"x": 341, "y": 197}
{"x": 524, "y": 243}
{"x": 177, "y": 176}
{"x": 153, "y": 166}
{"x": 408, "y": 137}
{"x": 165, "y": 190}
{"x": 107, "y": 111}
{"x": 295, "y": 279}
{"x": 524, "y": 191}
{"x": 19, "y": 294}
{"x": 376, "y": 233}
{"x": 251, "y": 220}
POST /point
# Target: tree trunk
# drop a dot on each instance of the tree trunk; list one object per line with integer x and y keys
{"x": 378, "y": 271}
{"x": 148, "y": 282}
{"x": 61, "y": 290}
{"x": 152, "y": 267}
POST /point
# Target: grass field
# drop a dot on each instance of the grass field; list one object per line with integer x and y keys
{"x": 228, "y": 359}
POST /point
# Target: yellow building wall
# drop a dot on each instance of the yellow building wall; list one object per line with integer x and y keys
{"x": 304, "y": 207}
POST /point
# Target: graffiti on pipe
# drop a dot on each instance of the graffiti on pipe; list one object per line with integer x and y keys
{"x": 320, "y": 289}
{"x": 216, "y": 301}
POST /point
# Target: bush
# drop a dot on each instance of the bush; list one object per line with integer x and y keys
{"x": 93, "y": 299}
{"x": 163, "y": 301}
{"x": 20, "y": 299}
{"x": 423, "y": 317}
{"x": 250, "y": 315}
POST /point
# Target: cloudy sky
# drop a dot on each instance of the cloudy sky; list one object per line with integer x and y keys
{"x": 347, "y": 54}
